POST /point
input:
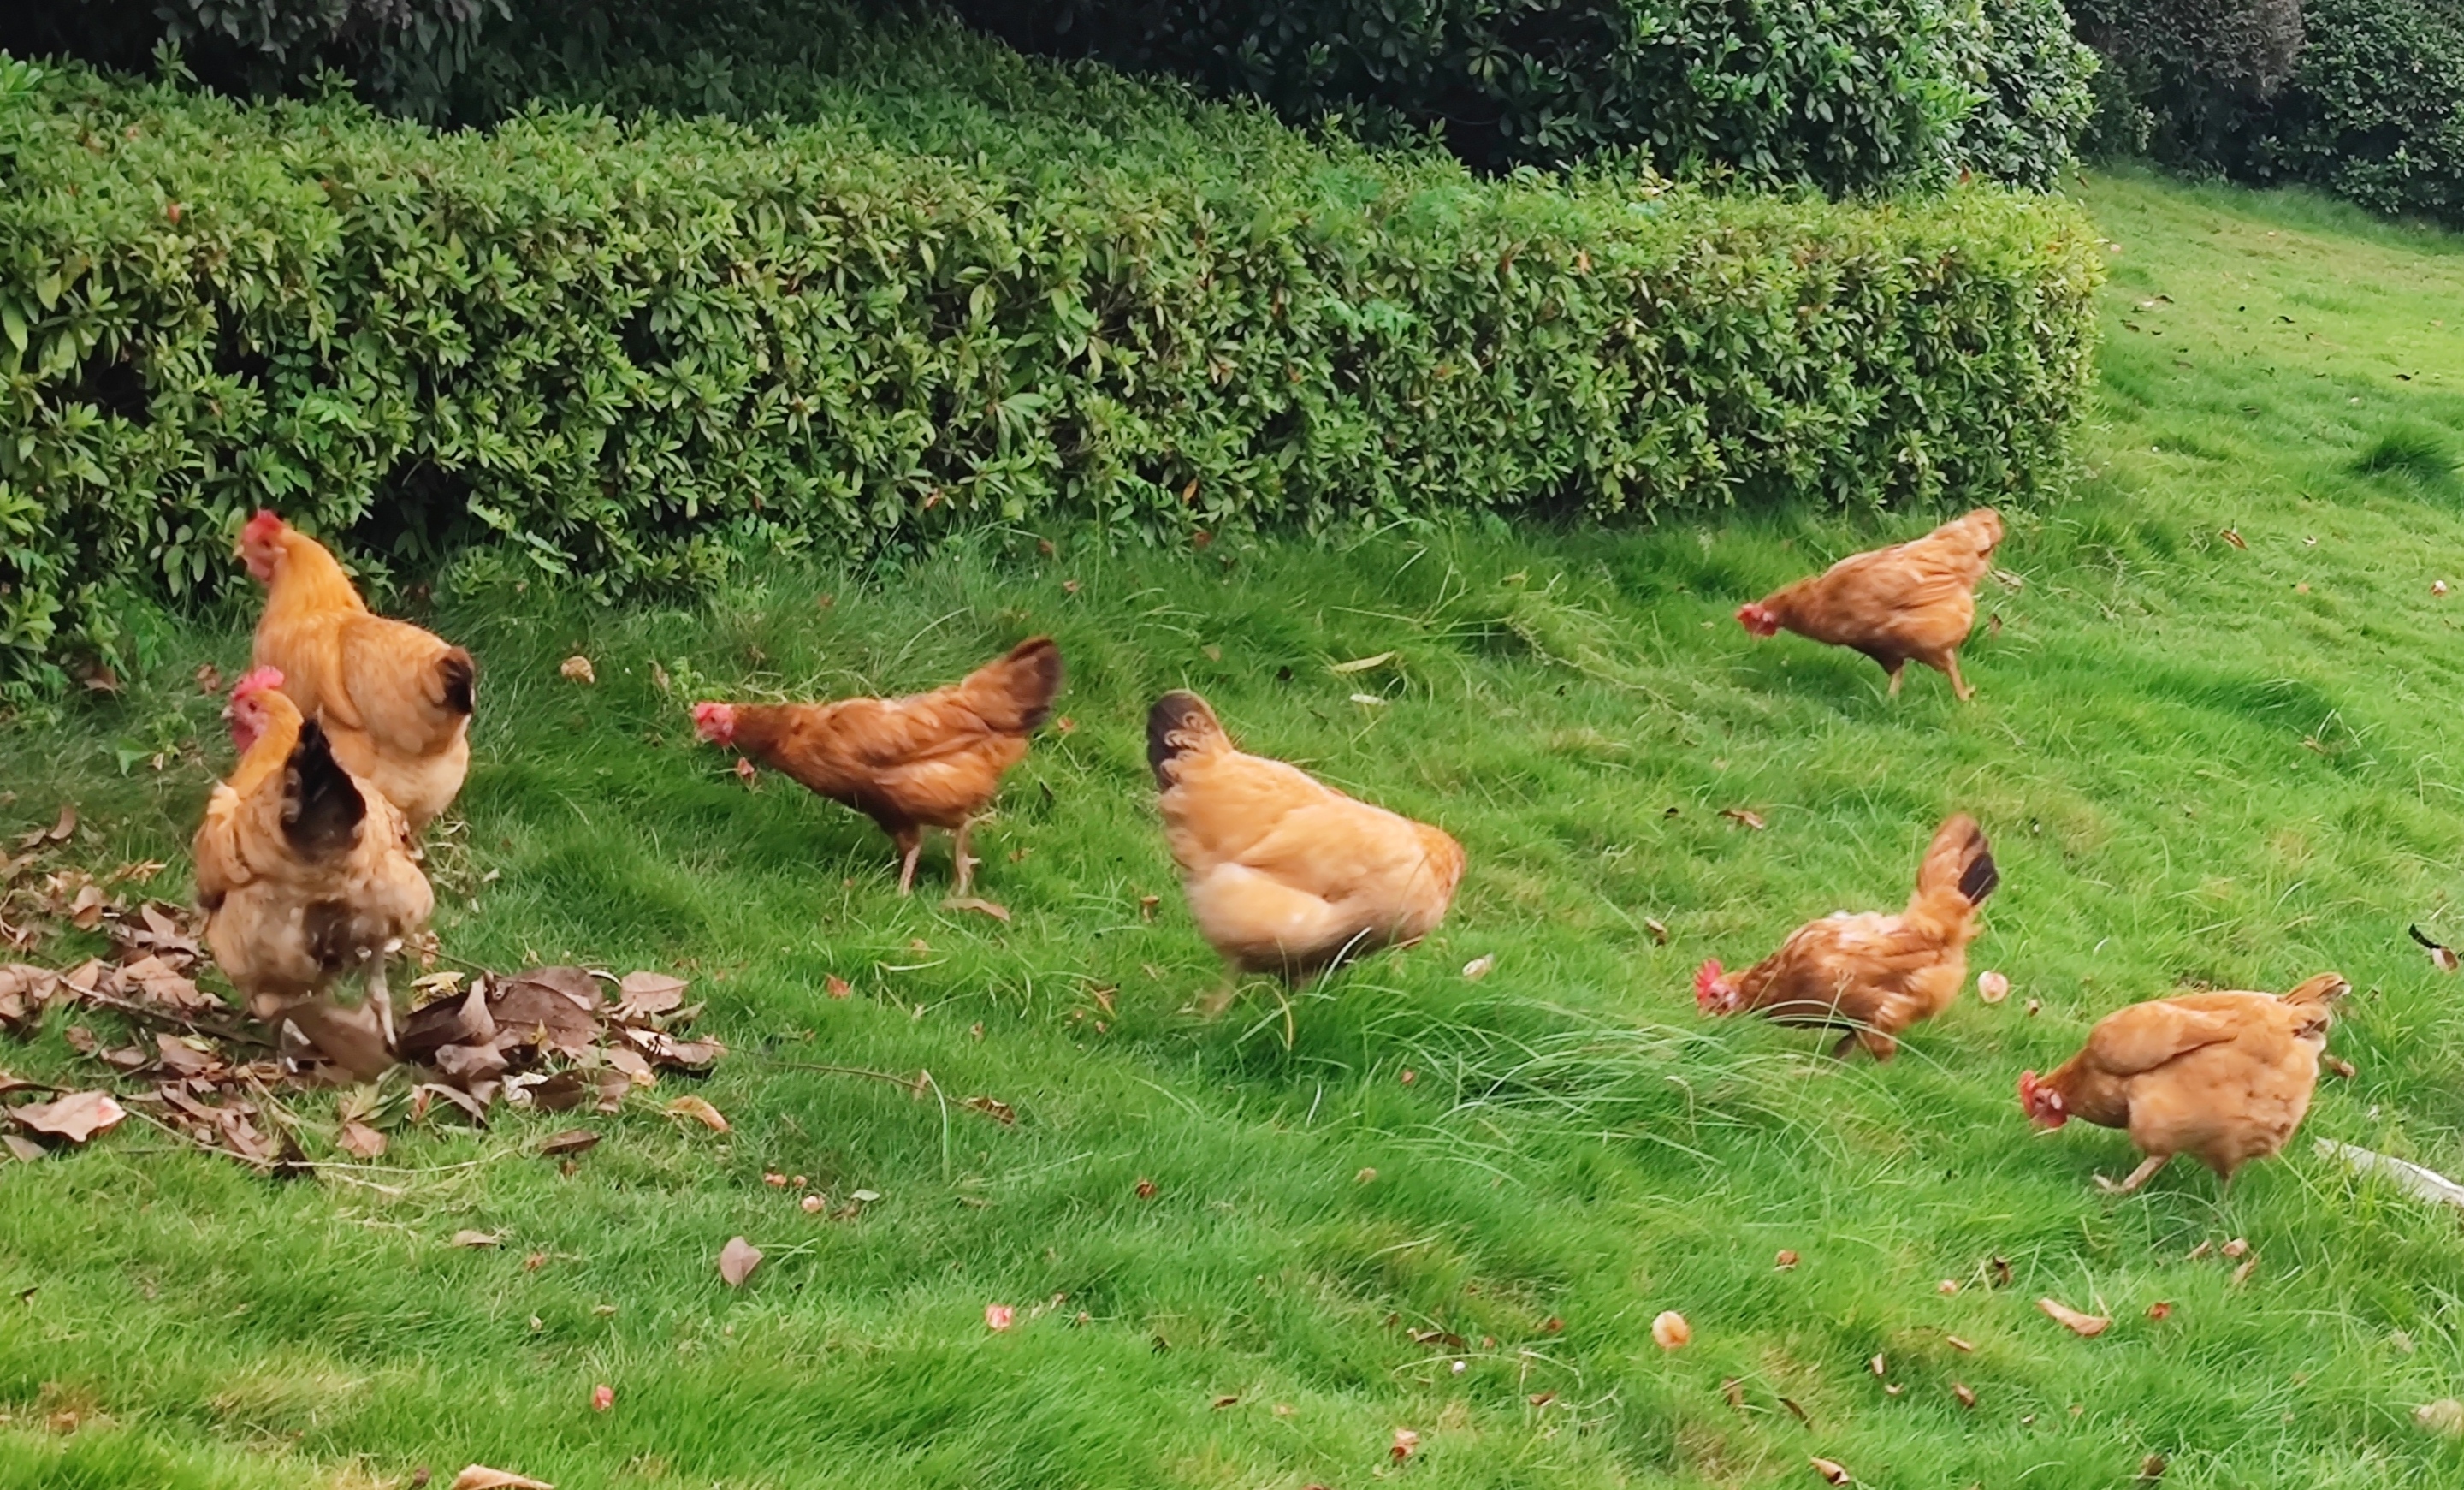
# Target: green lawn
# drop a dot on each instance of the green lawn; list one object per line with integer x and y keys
{"x": 2199, "y": 762}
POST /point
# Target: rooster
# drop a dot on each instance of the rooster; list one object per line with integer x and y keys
{"x": 1875, "y": 973}
{"x": 2225, "y": 1077}
{"x": 306, "y": 873}
{"x": 394, "y": 700}
{"x": 1910, "y": 602}
{"x": 929, "y": 760}
{"x": 1285, "y": 874}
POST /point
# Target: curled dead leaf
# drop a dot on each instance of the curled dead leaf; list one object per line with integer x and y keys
{"x": 1480, "y": 968}
{"x": 698, "y": 1110}
{"x": 2087, "y": 1326}
{"x": 1831, "y": 1471}
{"x": 1962, "y": 1347}
{"x": 1146, "y": 1188}
{"x": 1966, "y": 1395}
{"x": 2241, "y": 1275}
{"x": 77, "y": 1117}
{"x": 577, "y": 669}
{"x": 1360, "y": 664}
{"x": 1993, "y": 987}
{"x": 1785, "y": 1259}
{"x": 993, "y": 1107}
{"x": 1406, "y": 1444}
{"x": 1877, "y": 1365}
{"x": 2444, "y": 1417}
{"x": 2160, "y": 1309}
{"x": 2237, "y": 1247}
{"x": 1669, "y": 1330}
{"x": 2232, "y": 537}
{"x": 1746, "y": 816}
{"x": 1658, "y": 931}
{"x": 737, "y": 1261}
{"x": 360, "y": 1141}
{"x": 572, "y": 1141}
{"x": 998, "y": 1317}
{"x": 470, "y": 1238}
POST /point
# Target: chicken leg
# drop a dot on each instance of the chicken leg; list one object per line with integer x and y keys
{"x": 911, "y": 848}
{"x": 962, "y": 862}
{"x": 2145, "y": 1171}
{"x": 1958, "y": 686}
{"x": 381, "y": 997}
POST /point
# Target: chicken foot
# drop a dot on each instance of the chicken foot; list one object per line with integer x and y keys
{"x": 381, "y": 997}
{"x": 962, "y": 862}
{"x": 2145, "y": 1171}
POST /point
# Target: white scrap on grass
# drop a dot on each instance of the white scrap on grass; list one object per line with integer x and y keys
{"x": 2425, "y": 1184}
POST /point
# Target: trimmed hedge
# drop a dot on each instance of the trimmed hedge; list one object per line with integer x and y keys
{"x": 625, "y": 349}
{"x": 1855, "y": 96}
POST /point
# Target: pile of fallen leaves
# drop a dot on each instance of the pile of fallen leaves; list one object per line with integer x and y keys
{"x": 551, "y": 1038}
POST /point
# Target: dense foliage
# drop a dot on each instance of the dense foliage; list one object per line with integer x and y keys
{"x": 1849, "y": 96}
{"x": 407, "y": 52}
{"x": 2365, "y": 97}
{"x": 626, "y": 346}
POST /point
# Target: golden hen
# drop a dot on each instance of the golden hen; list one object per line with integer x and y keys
{"x": 2224, "y": 1078}
{"x": 1285, "y": 874}
{"x": 394, "y": 700}
{"x": 306, "y": 873}
{"x": 929, "y": 760}
{"x": 1875, "y": 973}
{"x": 1910, "y": 602}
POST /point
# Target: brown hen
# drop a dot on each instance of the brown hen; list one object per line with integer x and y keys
{"x": 929, "y": 760}
{"x": 1285, "y": 874}
{"x": 1910, "y": 602}
{"x": 394, "y": 699}
{"x": 1873, "y": 972}
{"x": 2224, "y": 1078}
{"x": 306, "y": 873}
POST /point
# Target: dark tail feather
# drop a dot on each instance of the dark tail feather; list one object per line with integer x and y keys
{"x": 1981, "y": 878}
{"x": 1178, "y": 723}
{"x": 457, "y": 672}
{"x": 1014, "y": 693}
{"x": 322, "y": 808}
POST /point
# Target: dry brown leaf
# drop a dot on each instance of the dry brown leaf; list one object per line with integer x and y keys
{"x": 77, "y": 1117}
{"x": 2087, "y": 1326}
{"x": 2160, "y": 1309}
{"x": 699, "y": 1110}
{"x": 2241, "y": 1275}
{"x": 2232, "y": 537}
{"x": 643, "y": 994}
{"x": 737, "y": 1261}
{"x": 1658, "y": 931}
{"x": 1877, "y": 1366}
{"x": 572, "y": 1141}
{"x": 979, "y": 905}
{"x": 1831, "y": 1471}
{"x": 470, "y": 1238}
{"x": 993, "y": 1108}
{"x": 1785, "y": 1259}
{"x": 1221, "y": 1403}
{"x": 1406, "y": 1444}
{"x": 1481, "y": 966}
{"x": 22, "y": 1146}
{"x": 479, "y": 1476}
{"x": 2338, "y": 1066}
{"x": 577, "y": 669}
{"x": 1993, "y": 987}
{"x": 1670, "y": 1331}
{"x": 2445, "y": 1417}
{"x": 837, "y": 987}
{"x": 1746, "y": 816}
{"x": 1966, "y": 1395}
{"x": 2237, "y": 1247}
{"x": 360, "y": 1141}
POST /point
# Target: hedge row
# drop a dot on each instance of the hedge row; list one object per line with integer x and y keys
{"x": 628, "y": 348}
{"x": 1853, "y": 96}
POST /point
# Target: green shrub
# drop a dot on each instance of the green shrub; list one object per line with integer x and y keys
{"x": 2376, "y": 108}
{"x": 624, "y": 349}
{"x": 1851, "y": 97}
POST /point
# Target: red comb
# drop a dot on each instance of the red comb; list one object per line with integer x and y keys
{"x": 1707, "y": 985}
{"x": 257, "y": 680}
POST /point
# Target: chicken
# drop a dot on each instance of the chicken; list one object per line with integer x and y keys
{"x": 1873, "y": 972}
{"x": 305, "y": 871}
{"x": 1910, "y": 602}
{"x": 1284, "y": 873}
{"x": 2224, "y": 1078}
{"x": 394, "y": 700}
{"x": 931, "y": 760}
